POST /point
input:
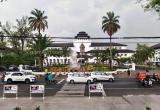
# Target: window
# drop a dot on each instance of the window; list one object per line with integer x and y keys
{"x": 98, "y": 73}
{"x": 57, "y": 60}
{"x": 61, "y": 61}
{"x": 54, "y": 61}
{"x": 17, "y": 74}
{"x": 81, "y": 75}
{"x": 75, "y": 75}
{"x": 50, "y": 61}
{"x": 68, "y": 60}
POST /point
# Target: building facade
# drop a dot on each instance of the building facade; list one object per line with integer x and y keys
{"x": 82, "y": 48}
{"x": 156, "y": 57}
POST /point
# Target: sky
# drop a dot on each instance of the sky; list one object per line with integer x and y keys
{"x": 68, "y": 17}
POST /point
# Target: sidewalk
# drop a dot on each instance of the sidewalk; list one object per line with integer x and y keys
{"x": 83, "y": 103}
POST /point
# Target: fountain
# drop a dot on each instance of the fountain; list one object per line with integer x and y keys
{"x": 74, "y": 65}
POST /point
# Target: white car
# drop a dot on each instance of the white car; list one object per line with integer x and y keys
{"x": 100, "y": 76}
{"x": 19, "y": 77}
{"x": 79, "y": 78}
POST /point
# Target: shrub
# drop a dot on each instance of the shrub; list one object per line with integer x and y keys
{"x": 148, "y": 108}
{"x": 17, "y": 108}
{"x": 37, "y": 108}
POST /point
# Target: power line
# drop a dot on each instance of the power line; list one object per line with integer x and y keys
{"x": 113, "y": 41}
{"x": 56, "y": 37}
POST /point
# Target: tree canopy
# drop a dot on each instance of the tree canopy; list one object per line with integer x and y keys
{"x": 151, "y": 5}
{"x": 38, "y": 20}
{"x": 143, "y": 53}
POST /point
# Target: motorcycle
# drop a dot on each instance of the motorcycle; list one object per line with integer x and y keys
{"x": 148, "y": 83}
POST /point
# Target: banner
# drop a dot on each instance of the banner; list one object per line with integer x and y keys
{"x": 96, "y": 87}
{"x": 36, "y": 88}
{"x": 10, "y": 89}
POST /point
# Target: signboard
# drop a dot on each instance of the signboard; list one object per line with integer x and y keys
{"x": 95, "y": 88}
{"x": 36, "y": 88}
{"x": 10, "y": 89}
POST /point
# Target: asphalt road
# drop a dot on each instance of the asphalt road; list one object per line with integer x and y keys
{"x": 125, "y": 86}
{"x": 120, "y": 87}
{"x": 24, "y": 89}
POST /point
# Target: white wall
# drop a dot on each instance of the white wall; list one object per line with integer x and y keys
{"x": 77, "y": 43}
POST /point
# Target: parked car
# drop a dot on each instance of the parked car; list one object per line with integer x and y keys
{"x": 19, "y": 77}
{"x": 79, "y": 78}
{"x": 100, "y": 76}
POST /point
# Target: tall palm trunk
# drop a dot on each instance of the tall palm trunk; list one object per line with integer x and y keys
{"x": 110, "y": 50}
{"x": 39, "y": 32}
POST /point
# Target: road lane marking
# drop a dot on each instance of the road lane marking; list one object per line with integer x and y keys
{"x": 61, "y": 81}
{"x": 104, "y": 93}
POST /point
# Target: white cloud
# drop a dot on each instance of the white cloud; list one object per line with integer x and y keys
{"x": 68, "y": 17}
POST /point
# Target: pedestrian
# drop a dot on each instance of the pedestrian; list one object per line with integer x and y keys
{"x": 129, "y": 73}
{"x": 50, "y": 78}
{"x": 46, "y": 78}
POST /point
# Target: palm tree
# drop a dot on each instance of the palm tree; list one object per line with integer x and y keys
{"x": 110, "y": 25}
{"x": 14, "y": 40}
{"x": 23, "y": 30}
{"x": 38, "y": 20}
{"x": 40, "y": 43}
{"x": 65, "y": 52}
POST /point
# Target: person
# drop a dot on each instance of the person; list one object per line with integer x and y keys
{"x": 155, "y": 76}
{"x": 129, "y": 73}
{"x": 46, "y": 78}
{"x": 147, "y": 71}
{"x": 50, "y": 77}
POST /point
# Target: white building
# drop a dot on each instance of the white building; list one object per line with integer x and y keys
{"x": 156, "y": 57}
{"x": 82, "y": 47}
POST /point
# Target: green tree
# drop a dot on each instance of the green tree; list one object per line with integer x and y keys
{"x": 17, "y": 108}
{"x": 151, "y": 5}
{"x": 148, "y": 108}
{"x": 2, "y": 0}
{"x": 143, "y": 53}
{"x": 105, "y": 55}
{"x": 1, "y": 36}
{"x": 13, "y": 39}
{"x": 37, "y": 108}
{"x": 110, "y": 25}
{"x": 23, "y": 30}
{"x": 40, "y": 43}
{"x": 38, "y": 21}
{"x": 53, "y": 52}
{"x": 96, "y": 54}
{"x": 65, "y": 53}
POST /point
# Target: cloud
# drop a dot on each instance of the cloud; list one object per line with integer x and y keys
{"x": 68, "y": 17}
